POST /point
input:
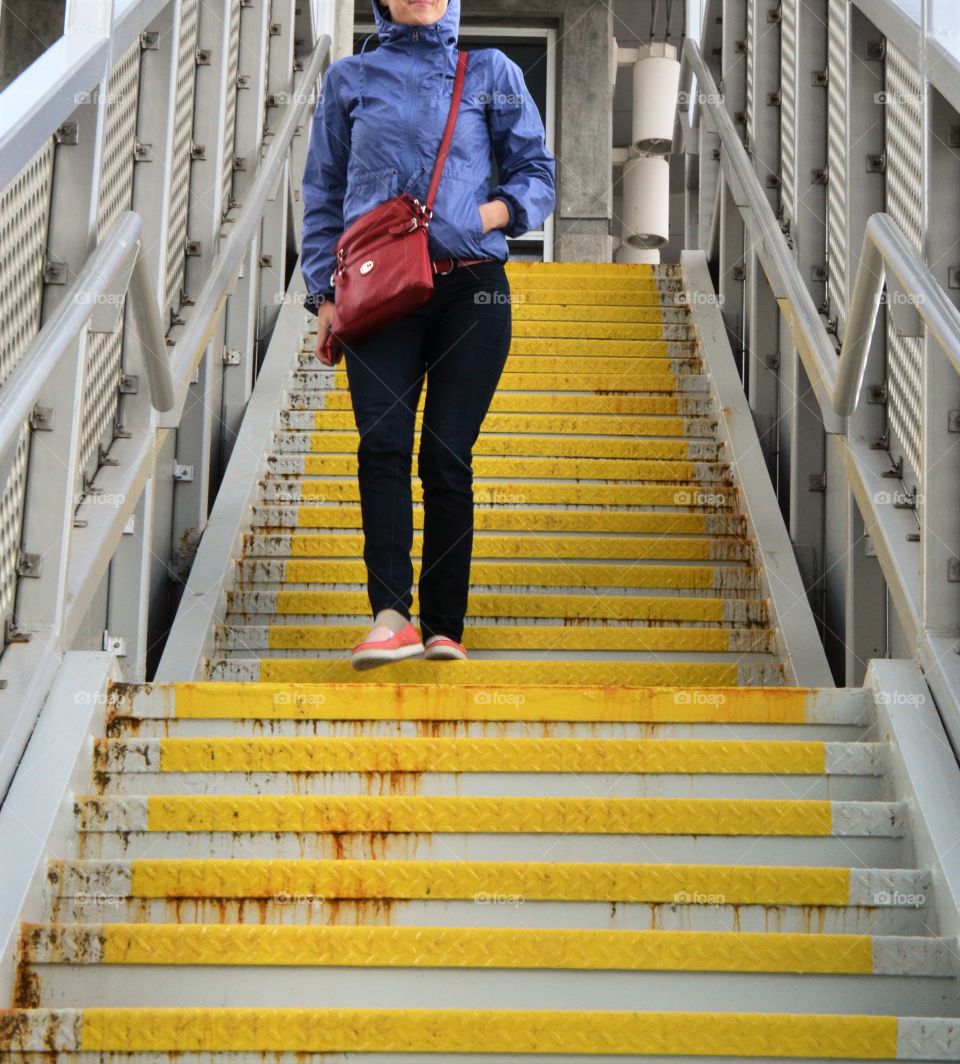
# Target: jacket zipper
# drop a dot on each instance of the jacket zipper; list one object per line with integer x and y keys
{"x": 413, "y": 95}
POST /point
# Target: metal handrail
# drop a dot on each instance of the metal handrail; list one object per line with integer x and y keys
{"x": 190, "y": 346}
{"x": 836, "y": 381}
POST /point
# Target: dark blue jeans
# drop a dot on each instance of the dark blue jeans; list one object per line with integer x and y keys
{"x": 457, "y": 342}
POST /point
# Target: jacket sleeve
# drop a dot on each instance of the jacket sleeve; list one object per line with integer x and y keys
{"x": 324, "y": 186}
{"x": 527, "y": 168}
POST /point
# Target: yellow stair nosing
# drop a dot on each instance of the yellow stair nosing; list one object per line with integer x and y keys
{"x": 537, "y": 692}
{"x": 513, "y": 1031}
{"x": 722, "y": 817}
{"x": 457, "y": 947}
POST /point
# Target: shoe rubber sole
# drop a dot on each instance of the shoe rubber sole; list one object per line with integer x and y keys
{"x": 444, "y": 653}
{"x": 368, "y": 659}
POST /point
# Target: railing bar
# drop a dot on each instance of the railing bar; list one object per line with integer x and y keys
{"x": 197, "y": 333}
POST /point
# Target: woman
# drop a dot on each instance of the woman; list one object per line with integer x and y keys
{"x": 376, "y": 133}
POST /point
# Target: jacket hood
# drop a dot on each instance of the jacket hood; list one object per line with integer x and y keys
{"x": 443, "y": 32}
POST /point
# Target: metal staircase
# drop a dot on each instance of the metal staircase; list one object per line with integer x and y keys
{"x": 598, "y": 837}
{"x": 608, "y": 523}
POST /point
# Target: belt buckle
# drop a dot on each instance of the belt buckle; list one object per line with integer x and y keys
{"x": 443, "y": 273}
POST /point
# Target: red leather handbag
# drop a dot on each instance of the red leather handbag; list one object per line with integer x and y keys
{"x": 383, "y": 267}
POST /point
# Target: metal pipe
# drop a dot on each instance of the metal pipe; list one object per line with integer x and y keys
{"x": 203, "y": 319}
{"x": 885, "y": 248}
{"x": 149, "y": 330}
{"x": 713, "y": 242}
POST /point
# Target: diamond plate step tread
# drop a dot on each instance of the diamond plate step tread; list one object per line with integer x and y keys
{"x": 466, "y": 947}
{"x": 506, "y": 467}
{"x": 679, "y": 674}
{"x": 771, "y": 757}
{"x": 634, "y": 639}
{"x": 524, "y": 691}
{"x": 521, "y": 493}
{"x": 748, "y": 1035}
{"x": 527, "y": 520}
{"x": 677, "y": 884}
{"x": 306, "y": 549}
{"x": 496, "y": 815}
{"x": 605, "y": 427}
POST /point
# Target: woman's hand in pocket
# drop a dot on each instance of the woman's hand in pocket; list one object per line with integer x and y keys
{"x": 325, "y": 355}
{"x": 493, "y": 215}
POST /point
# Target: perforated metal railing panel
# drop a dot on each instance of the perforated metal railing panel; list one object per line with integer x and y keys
{"x": 116, "y": 178}
{"x": 837, "y": 162}
{"x": 180, "y": 162}
{"x": 788, "y": 105}
{"x": 230, "y": 118}
{"x": 105, "y": 350}
{"x": 24, "y": 209}
{"x": 11, "y": 521}
{"x": 904, "y": 203}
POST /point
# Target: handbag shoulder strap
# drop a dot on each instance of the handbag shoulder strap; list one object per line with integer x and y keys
{"x": 448, "y": 131}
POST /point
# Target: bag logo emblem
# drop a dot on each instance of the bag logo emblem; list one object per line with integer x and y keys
{"x": 367, "y": 266}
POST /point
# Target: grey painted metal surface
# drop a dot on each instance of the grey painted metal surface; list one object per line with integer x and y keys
{"x": 204, "y": 601}
{"x": 800, "y": 647}
{"x": 34, "y": 818}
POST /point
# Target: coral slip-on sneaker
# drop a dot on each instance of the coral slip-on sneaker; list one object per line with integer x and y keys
{"x": 442, "y": 648}
{"x": 383, "y": 645}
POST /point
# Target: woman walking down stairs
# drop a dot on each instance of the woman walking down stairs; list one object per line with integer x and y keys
{"x": 612, "y": 832}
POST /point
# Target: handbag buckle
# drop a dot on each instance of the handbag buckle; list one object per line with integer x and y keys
{"x": 443, "y": 273}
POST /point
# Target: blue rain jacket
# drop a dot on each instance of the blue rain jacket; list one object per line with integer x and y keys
{"x": 377, "y": 130}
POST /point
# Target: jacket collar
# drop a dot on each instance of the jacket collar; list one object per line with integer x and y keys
{"x": 442, "y": 33}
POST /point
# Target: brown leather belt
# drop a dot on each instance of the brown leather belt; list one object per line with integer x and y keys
{"x": 444, "y": 266}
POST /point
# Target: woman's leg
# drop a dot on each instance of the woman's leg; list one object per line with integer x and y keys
{"x": 466, "y": 351}
{"x": 385, "y": 376}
